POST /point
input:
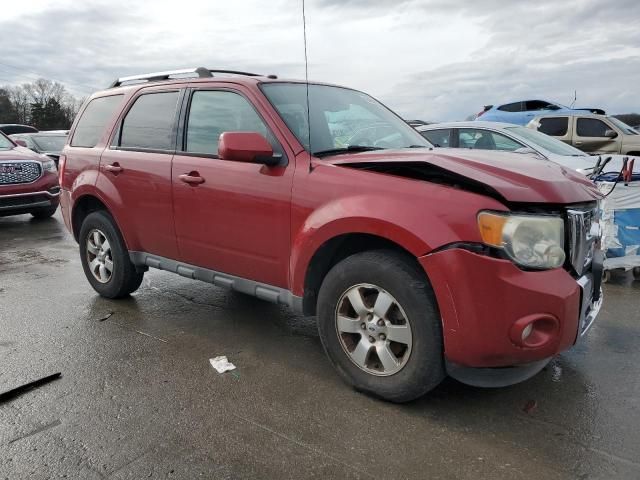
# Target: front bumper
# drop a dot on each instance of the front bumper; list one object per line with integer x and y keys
{"x": 25, "y": 198}
{"x": 483, "y": 300}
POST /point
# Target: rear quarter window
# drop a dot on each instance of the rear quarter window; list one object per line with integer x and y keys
{"x": 94, "y": 119}
{"x": 511, "y": 107}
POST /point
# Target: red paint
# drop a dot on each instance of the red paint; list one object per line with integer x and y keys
{"x": 47, "y": 181}
{"x": 243, "y": 146}
{"x": 266, "y": 223}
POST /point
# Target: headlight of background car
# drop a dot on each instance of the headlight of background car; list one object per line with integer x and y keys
{"x": 49, "y": 166}
{"x": 532, "y": 241}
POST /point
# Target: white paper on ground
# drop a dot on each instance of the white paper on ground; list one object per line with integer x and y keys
{"x": 221, "y": 364}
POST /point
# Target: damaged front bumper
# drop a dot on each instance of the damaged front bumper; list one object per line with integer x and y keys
{"x": 486, "y": 303}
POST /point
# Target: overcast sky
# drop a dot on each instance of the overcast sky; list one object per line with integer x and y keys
{"x": 428, "y": 59}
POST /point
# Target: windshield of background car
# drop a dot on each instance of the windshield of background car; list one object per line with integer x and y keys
{"x": 5, "y": 143}
{"x": 340, "y": 118}
{"x": 552, "y": 145}
{"x": 626, "y": 129}
{"x": 50, "y": 143}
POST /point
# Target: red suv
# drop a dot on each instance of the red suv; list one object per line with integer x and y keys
{"x": 28, "y": 181}
{"x": 418, "y": 262}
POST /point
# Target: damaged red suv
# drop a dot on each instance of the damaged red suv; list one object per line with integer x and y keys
{"x": 418, "y": 262}
{"x": 28, "y": 181}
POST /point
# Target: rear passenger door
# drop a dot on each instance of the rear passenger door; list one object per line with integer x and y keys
{"x": 557, "y": 127}
{"x": 136, "y": 171}
{"x": 237, "y": 221}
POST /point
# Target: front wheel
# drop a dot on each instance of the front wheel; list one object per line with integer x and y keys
{"x": 379, "y": 325}
{"x": 105, "y": 258}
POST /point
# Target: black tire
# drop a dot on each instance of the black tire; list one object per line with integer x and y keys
{"x": 400, "y": 277}
{"x": 124, "y": 278}
{"x": 44, "y": 213}
{"x": 636, "y": 273}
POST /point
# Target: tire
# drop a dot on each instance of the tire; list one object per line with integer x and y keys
{"x": 421, "y": 358}
{"x": 636, "y": 273}
{"x": 123, "y": 278}
{"x": 44, "y": 213}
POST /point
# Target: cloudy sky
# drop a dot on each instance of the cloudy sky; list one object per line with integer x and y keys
{"x": 428, "y": 59}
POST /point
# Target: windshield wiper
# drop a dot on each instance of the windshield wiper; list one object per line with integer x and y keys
{"x": 349, "y": 149}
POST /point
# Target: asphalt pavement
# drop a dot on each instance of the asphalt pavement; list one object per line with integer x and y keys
{"x": 138, "y": 398}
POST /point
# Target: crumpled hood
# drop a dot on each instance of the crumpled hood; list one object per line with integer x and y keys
{"x": 517, "y": 177}
{"x": 20, "y": 153}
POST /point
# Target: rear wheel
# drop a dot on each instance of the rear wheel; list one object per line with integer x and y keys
{"x": 105, "y": 258}
{"x": 44, "y": 213}
{"x": 379, "y": 325}
{"x": 636, "y": 273}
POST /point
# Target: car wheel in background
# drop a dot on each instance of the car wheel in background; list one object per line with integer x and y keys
{"x": 105, "y": 258}
{"x": 380, "y": 327}
{"x": 44, "y": 213}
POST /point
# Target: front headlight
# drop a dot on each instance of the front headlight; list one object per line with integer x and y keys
{"x": 49, "y": 166}
{"x": 532, "y": 241}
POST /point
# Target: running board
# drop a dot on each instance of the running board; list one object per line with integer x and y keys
{"x": 262, "y": 291}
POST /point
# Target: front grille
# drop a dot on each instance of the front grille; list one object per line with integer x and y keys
{"x": 19, "y": 172}
{"x": 583, "y": 237}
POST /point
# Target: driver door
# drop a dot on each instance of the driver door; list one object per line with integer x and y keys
{"x": 237, "y": 221}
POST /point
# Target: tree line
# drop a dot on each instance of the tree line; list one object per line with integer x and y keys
{"x": 44, "y": 104}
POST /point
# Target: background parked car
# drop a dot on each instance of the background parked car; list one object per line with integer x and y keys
{"x": 523, "y": 111}
{"x": 11, "y": 128}
{"x": 48, "y": 143}
{"x": 590, "y": 133}
{"x": 506, "y": 137}
{"x": 28, "y": 181}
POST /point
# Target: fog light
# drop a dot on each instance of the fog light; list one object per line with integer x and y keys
{"x": 527, "y": 331}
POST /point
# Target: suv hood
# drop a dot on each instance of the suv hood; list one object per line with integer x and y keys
{"x": 20, "y": 153}
{"x": 516, "y": 177}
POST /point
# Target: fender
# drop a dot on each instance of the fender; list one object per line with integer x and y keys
{"x": 393, "y": 217}
{"x": 105, "y": 191}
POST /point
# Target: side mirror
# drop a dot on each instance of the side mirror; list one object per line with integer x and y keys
{"x": 22, "y": 143}
{"x": 250, "y": 147}
{"x": 610, "y": 133}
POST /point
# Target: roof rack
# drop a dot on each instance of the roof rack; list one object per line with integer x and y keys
{"x": 201, "y": 72}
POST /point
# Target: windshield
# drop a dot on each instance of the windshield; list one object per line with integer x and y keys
{"x": 50, "y": 143}
{"x": 342, "y": 120}
{"x": 550, "y": 144}
{"x": 5, "y": 143}
{"x": 626, "y": 129}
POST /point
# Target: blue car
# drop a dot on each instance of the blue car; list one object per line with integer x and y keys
{"x": 521, "y": 112}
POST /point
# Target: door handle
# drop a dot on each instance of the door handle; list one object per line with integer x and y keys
{"x": 578, "y": 142}
{"x": 114, "y": 168}
{"x": 192, "y": 178}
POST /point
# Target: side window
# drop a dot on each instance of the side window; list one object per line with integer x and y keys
{"x": 438, "y": 138}
{"x": 486, "y": 140}
{"x": 591, "y": 127}
{"x": 554, "y": 126}
{"x": 533, "y": 105}
{"x": 511, "y": 107}
{"x": 150, "y": 122}
{"x": 94, "y": 119}
{"x": 213, "y": 112}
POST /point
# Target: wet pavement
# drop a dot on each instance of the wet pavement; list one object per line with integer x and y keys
{"x": 138, "y": 398}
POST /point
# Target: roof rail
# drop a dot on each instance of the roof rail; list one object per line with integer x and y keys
{"x": 201, "y": 72}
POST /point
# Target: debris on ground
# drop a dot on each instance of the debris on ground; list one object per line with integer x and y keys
{"x": 11, "y": 394}
{"x": 106, "y": 317}
{"x": 221, "y": 364}
{"x": 530, "y": 406}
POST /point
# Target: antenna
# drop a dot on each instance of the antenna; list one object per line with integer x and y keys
{"x": 306, "y": 75}
{"x": 575, "y": 97}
